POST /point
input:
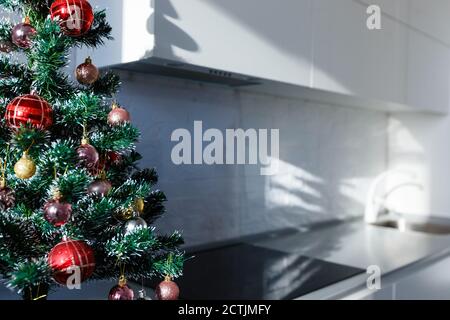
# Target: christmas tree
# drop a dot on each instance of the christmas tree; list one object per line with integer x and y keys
{"x": 73, "y": 203}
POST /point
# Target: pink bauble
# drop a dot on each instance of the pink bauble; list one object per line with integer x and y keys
{"x": 99, "y": 188}
{"x": 57, "y": 213}
{"x": 22, "y": 35}
{"x": 118, "y": 116}
{"x": 87, "y": 73}
{"x": 167, "y": 290}
{"x": 121, "y": 292}
{"x": 88, "y": 155}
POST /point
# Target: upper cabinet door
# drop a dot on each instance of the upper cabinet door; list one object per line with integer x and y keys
{"x": 427, "y": 56}
{"x": 351, "y": 59}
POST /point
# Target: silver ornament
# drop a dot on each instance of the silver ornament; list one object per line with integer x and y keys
{"x": 134, "y": 224}
{"x": 143, "y": 295}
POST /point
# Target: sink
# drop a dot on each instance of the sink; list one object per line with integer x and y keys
{"x": 403, "y": 225}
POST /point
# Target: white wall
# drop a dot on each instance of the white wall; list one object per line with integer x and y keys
{"x": 420, "y": 144}
{"x": 328, "y": 155}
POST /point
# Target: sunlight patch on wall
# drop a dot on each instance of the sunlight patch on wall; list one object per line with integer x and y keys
{"x": 295, "y": 188}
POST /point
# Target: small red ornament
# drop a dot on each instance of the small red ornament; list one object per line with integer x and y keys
{"x": 118, "y": 116}
{"x": 68, "y": 255}
{"x": 114, "y": 158}
{"x": 121, "y": 291}
{"x": 167, "y": 290}
{"x": 87, "y": 73}
{"x": 87, "y": 154}
{"x": 75, "y": 16}
{"x": 31, "y": 109}
{"x": 22, "y": 34}
{"x": 57, "y": 212}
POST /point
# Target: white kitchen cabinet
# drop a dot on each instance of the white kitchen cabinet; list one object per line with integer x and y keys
{"x": 427, "y": 77}
{"x": 351, "y": 59}
{"x": 430, "y": 282}
{"x": 396, "y": 63}
{"x": 428, "y": 17}
{"x": 428, "y": 73}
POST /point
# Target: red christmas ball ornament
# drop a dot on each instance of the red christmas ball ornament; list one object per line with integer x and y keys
{"x": 114, "y": 158}
{"x": 167, "y": 290}
{"x": 121, "y": 291}
{"x": 87, "y": 154}
{"x": 111, "y": 159}
{"x": 87, "y": 73}
{"x": 68, "y": 255}
{"x": 56, "y": 211}
{"x": 75, "y": 16}
{"x": 22, "y": 34}
{"x": 29, "y": 109}
{"x": 118, "y": 116}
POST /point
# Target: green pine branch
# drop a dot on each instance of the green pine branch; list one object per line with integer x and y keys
{"x": 117, "y": 138}
{"x": 107, "y": 85}
{"x": 48, "y": 54}
{"x": 15, "y": 79}
{"x": 99, "y": 33}
{"x": 29, "y": 273}
{"x": 5, "y": 31}
{"x": 12, "y": 5}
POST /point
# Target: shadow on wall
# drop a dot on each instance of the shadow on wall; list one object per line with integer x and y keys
{"x": 323, "y": 176}
{"x": 162, "y": 17}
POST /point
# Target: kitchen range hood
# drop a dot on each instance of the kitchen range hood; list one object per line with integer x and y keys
{"x": 311, "y": 49}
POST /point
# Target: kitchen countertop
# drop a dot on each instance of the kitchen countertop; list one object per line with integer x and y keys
{"x": 360, "y": 245}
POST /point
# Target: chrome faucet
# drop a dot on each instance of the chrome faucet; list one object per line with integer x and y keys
{"x": 376, "y": 205}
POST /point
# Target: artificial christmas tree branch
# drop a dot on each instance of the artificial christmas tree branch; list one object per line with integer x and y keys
{"x": 97, "y": 35}
{"x": 5, "y": 30}
{"x": 12, "y": 5}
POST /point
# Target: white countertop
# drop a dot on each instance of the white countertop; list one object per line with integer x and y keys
{"x": 360, "y": 245}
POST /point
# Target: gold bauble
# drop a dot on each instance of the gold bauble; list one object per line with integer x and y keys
{"x": 125, "y": 215}
{"x": 139, "y": 205}
{"x": 25, "y": 168}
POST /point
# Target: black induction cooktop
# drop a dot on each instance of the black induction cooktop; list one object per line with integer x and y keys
{"x": 248, "y": 272}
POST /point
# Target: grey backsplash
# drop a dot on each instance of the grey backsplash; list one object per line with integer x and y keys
{"x": 328, "y": 156}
